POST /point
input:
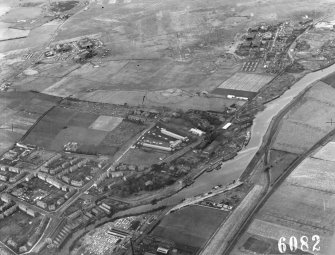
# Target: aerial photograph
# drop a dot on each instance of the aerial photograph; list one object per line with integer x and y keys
{"x": 168, "y": 127}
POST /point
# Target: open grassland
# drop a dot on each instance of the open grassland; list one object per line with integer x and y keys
{"x": 307, "y": 123}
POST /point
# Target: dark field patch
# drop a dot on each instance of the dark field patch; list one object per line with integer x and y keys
{"x": 255, "y": 245}
{"x": 122, "y": 133}
{"x": 18, "y": 226}
{"x": 63, "y": 125}
{"x": 261, "y": 245}
{"x": 81, "y": 135}
{"x": 280, "y": 161}
{"x": 330, "y": 80}
{"x": 63, "y": 6}
{"x": 191, "y": 226}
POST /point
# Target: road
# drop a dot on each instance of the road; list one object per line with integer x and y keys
{"x": 197, "y": 199}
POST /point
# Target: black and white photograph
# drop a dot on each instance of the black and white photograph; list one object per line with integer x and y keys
{"x": 167, "y": 127}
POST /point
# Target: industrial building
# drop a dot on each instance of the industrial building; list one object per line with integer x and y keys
{"x": 158, "y": 147}
{"x": 226, "y": 126}
{"x": 118, "y": 233}
{"x": 173, "y": 135}
{"x": 196, "y": 131}
{"x": 161, "y": 250}
{"x": 174, "y": 144}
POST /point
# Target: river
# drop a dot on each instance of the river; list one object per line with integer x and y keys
{"x": 232, "y": 169}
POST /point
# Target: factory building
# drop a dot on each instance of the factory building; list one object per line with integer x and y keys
{"x": 226, "y": 126}
{"x": 158, "y": 147}
{"x": 196, "y": 131}
{"x": 120, "y": 233}
{"x": 174, "y": 144}
{"x": 173, "y": 135}
{"x": 161, "y": 250}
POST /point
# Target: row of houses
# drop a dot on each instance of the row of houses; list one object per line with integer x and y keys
{"x": 12, "y": 209}
{"x": 12, "y": 179}
{"x": 76, "y": 183}
{"x": 27, "y": 210}
{"x": 12, "y": 169}
{"x": 59, "y": 201}
{"x": 54, "y": 182}
{"x": 73, "y": 222}
{"x": 6, "y": 205}
{"x": 108, "y": 174}
{"x": 65, "y": 167}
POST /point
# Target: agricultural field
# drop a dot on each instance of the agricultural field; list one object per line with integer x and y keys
{"x": 256, "y": 245}
{"x": 296, "y": 137}
{"x": 306, "y": 122}
{"x": 284, "y": 209}
{"x": 302, "y": 206}
{"x": 172, "y": 98}
{"x": 246, "y": 82}
{"x": 326, "y": 153}
{"x": 106, "y": 123}
{"x": 93, "y": 133}
{"x": 191, "y": 226}
{"x": 18, "y": 112}
{"x": 10, "y": 34}
{"x": 262, "y": 245}
{"x": 307, "y": 174}
{"x": 148, "y": 47}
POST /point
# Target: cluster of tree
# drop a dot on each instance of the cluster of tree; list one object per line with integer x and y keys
{"x": 212, "y": 119}
{"x": 145, "y": 182}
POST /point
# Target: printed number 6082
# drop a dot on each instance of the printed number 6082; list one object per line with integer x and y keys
{"x": 294, "y": 244}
